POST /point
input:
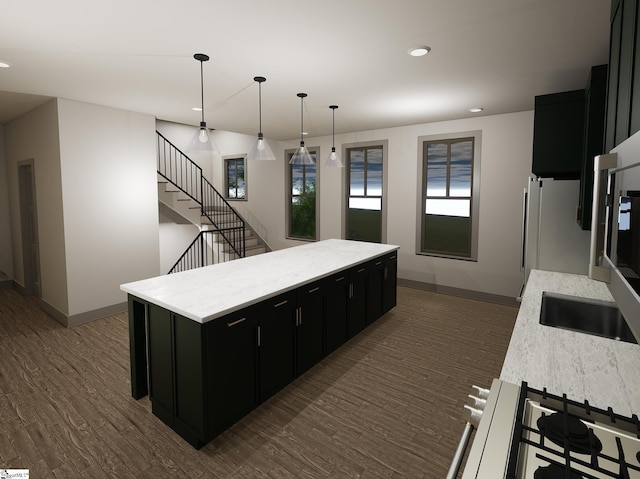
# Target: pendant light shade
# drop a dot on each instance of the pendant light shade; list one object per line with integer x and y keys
{"x": 302, "y": 155}
{"x": 202, "y": 142}
{"x": 260, "y": 150}
{"x": 333, "y": 160}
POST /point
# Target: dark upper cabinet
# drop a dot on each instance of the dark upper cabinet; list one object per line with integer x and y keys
{"x": 558, "y": 133}
{"x": 595, "y": 105}
{"x": 623, "y": 86}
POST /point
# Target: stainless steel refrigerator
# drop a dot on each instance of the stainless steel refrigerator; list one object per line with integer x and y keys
{"x": 552, "y": 238}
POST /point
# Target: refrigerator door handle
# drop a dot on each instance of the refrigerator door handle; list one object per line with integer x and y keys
{"x": 523, "y": 251}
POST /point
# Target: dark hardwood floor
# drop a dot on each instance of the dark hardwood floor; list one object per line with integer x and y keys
{"x": 388, "y": 404}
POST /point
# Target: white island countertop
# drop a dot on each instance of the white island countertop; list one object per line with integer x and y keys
{"x": 603, "y": 371}
{"x": 203, "y": 294}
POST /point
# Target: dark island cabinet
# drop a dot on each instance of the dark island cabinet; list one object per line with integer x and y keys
{"x": 357, "y": 310}
{"x": 310, "y": 327}
{"x": 232, "y": 362}
{"x": 276, "y": 344}
{"x": 337, "y": 289}
{"x": 204, "y": 377}
{"x": 176, "y": 373}
{"x": 390, "y": 283}
{"x": 375, "y": 282}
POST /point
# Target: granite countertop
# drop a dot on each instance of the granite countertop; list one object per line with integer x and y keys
{"x": 206, "y": 293}
{"x": 601, "y": 370}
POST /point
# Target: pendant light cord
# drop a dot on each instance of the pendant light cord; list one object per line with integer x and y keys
{"x": 202, "y": 90}
{"x": 260, "y": 107}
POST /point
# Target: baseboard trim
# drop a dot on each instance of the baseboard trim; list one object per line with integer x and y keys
{"x": 70, "y": 321}
{"x": 464, "y": 293}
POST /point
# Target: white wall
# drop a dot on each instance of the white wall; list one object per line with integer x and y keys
{"x": 505, "y": 165}
{"x": 174, "y": 240}
{"x": 6, "y": 249}
{"x": 110, "y": 199}
{"x": 34, "y": 136}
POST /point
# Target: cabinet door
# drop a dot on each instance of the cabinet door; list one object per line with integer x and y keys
{"x": 614, "y": 68}
{"x": 375, "y": 281}
{"x": 189, "y": 375}
{"x": 390, "y": 286}
{"x": 596, "y": 94}
{"x": 625, "y": 70}
{"x": 309, "y": 326}
{"x": 276, "y": 329}
{"x": 337, "y": 307}
{"x": 558, "y": 132}
{"x": 232, "y": 346}
{"x": 160, "y": 334}
{"x": 357, "y": 300}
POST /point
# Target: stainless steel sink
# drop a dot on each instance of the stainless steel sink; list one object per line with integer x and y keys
{"x": 590, "y": 316}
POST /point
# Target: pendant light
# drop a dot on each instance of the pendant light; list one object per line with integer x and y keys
{"x": 333, "y": 159}
{"x": 260, "y": 150}
{"x": 302, "y": 156}
{"x": 202, "y": 141}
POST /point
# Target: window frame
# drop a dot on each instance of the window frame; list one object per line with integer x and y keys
{"x": 346, "y": 194}
{"x": 476, "y": 136}
{"x": 314, "y": 151}
{"x": 225, "y": 175}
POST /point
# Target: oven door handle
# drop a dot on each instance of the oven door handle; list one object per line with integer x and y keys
{"x": 475, "y": 413}
{"x": 459, "y": 455}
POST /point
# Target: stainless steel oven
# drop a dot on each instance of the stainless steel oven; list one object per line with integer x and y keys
{"x": 526, "y": 433}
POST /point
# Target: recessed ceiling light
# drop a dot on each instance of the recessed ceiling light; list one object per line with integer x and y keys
{"x": 419, "y": 51}
{"x": 196, "y": 108}
{"x": 476, "y": 110}
{"x": 4, "y": 64}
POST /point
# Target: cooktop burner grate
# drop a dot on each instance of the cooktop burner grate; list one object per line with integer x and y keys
{"x": 561, "y": 438}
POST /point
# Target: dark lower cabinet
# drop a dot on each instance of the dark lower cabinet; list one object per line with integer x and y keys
{"x": 357, "y": 313}
{"x": 205, "y": 377}
{"x": 161, "y": 384}
{"x": 276, "y": 329}
{"x": 310, "y": 317}
{"x": 375, "y": 281}
{"x": 337, "y": 310}
{"x": 390, "y": 283}
{"x": 176, "y": 372}
{"x": 232, "y": 362}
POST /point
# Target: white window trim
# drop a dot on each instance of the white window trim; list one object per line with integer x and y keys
{"x": 475, "y": 201}
{"x": 385, "y": 185}
{"x": 287, "y": 192}
{"x": 225, "y": 188}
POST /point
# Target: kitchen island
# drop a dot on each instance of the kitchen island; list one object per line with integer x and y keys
{"x": 600, "y": 370}
{"x": 224, "y": 338}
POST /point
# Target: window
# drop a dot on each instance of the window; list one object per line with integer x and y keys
{"x": 301, "y": 201}
{"x": 234, "y": 174}
{"x": 450, "y": 191}
{"x": 365, "y": 185}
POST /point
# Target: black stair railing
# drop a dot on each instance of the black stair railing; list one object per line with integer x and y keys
{"x": 204, "y": 250}
{"x": 179, "y": 170}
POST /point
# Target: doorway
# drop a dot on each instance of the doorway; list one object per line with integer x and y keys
{"x": 29, "y": 229}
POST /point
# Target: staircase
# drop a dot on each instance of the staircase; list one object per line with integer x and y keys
{"x": 187, "y": 197}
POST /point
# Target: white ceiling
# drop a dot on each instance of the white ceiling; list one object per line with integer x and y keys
{"x": 138, "y": 55}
